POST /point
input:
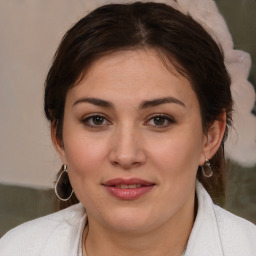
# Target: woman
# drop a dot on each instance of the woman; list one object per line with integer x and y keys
{"x": 139, "y": 103}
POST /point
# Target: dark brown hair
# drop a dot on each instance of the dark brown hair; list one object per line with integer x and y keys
{"x": 177, "y": 37}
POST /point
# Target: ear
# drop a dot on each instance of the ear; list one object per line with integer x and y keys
{"x": 213, "y": 138}
{"x": 58, "y": 144}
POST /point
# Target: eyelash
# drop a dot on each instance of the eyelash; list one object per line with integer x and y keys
{"x": 164, "y": 117}
{"x": 87, "y": 119}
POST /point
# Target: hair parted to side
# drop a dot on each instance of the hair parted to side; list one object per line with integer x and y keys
{"x": 176, "y": 37}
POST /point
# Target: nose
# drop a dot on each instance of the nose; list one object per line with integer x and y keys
{"x": 127, "y": 149}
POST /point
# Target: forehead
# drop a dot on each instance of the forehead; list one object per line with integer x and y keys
{"x": 139, "y": 73}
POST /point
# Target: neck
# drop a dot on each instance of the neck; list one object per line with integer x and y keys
{"x": 170, "y": 239}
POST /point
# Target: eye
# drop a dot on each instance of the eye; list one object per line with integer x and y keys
{"x": 96, "y": 121}
{"x": 160, "y": 121}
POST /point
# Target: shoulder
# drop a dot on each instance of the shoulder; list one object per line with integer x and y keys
{"x": 235, "y": 235}
{"x": 219, "y": 232}
{"x": 234, "y": 229}
{"x": 35, "y": 235}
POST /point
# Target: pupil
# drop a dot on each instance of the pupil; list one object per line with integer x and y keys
{"x": 98, "y": 120}
{"x": 159, "y": 120}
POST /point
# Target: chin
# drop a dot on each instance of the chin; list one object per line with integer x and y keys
{"x": 130, "y": 221}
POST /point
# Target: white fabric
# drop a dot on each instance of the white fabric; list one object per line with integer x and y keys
{"x": 216, "y": 232}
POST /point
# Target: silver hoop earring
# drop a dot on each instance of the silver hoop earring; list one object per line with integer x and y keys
{"x": 207, "y": 166}
{"x": 65, "y": 169}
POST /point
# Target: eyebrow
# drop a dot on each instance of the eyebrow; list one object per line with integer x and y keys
{"x": 143, "y": 105}
{"x": 94, "y": 101}
{"x": 160, "y": 101}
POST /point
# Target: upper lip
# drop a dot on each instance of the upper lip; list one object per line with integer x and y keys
{"x": 130, "y": 181}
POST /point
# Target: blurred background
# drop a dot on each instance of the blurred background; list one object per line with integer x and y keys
{"x": 30, "y": 32}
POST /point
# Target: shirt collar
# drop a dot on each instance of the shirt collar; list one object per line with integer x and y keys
{"x": 204, "y": 238}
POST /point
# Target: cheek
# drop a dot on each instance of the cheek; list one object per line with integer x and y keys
{"x": 177, "y": 156}
{"x": 84, "y": 154}
{"x": 85, "y": 162}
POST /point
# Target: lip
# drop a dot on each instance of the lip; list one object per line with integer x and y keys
{"x": 113, "y": 187}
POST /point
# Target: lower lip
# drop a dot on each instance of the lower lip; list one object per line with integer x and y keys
{"x": 128, "y": 193}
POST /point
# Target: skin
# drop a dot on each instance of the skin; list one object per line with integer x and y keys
{"x": 128, "y": 141}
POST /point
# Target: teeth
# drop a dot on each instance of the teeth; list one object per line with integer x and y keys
{"x": 125, "y": 186}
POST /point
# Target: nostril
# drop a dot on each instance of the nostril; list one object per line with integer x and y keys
{"x": 126, "y": 165}
{"x": 115, "y": 163}
{"x": 126, "y": 159}
{"x": 136, "y": 163}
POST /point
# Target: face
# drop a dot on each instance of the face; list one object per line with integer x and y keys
{"x": 133, "y": 142}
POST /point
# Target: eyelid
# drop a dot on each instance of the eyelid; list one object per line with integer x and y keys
{"x": 94, "y": 114}
{"x": 169, "y": 118}
{"x": 85, "y": 119}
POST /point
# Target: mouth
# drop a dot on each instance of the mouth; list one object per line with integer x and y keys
{"x": 125, "y": 186}
{"x": 128, "y": 189}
